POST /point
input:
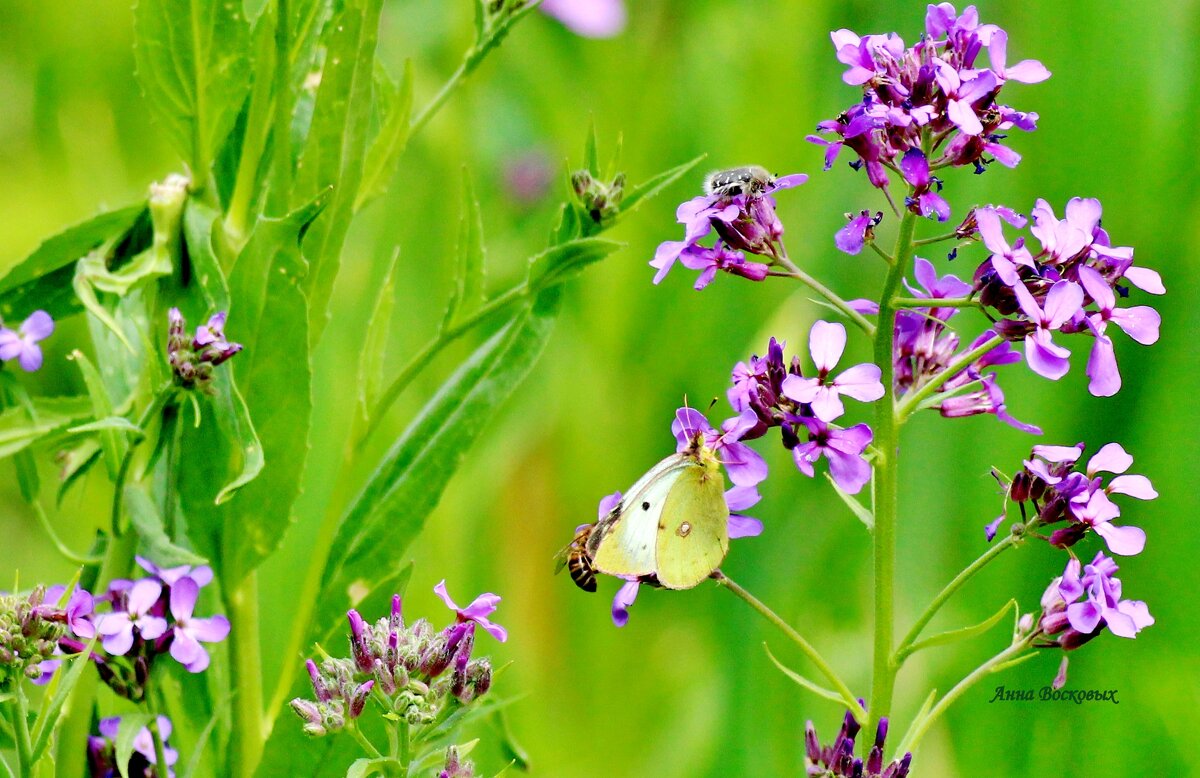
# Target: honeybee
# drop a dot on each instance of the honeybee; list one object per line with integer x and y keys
{"x": 578, "y": 561}
{"x": 750, "y": 180}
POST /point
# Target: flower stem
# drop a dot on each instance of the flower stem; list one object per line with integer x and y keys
{"x": 947, "y": 592}
{"x": 245, "y": 669}
{"x": 18, "y": 714}
{"x": 919, "y": 727}
{"x": 887, "y": 467}
{"x": 798, "y": 639}
{"x": 914, "y": 399}
{"x": 837, "y": 302}
{"x": 367, "y": 745}
{"x": 935, "y": 302}
{"x": 935, "y": 239}
{"x": 160, "y": 749}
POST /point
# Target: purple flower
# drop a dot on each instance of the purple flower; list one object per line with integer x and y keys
{"x": 1102, "y": 605}
{"x": 925, "y": 200}
{"x": 842, "y": 447}
{"x": 963, "y": 89}
{"x": 589, "y": 18}
{"x": 1063, "y": 301}
{"x": 1004, "y": 257}
{"x": 857, "y": 231}
{"x": 741, "y": 498}
{"x": 720, "y": 257}
{"x": 826, "y": 342}
{"x": 143, "y": 743}
{"x": 22, "y": 345}
{"x": 948, "y": 286}
{"x": 744, "y": 465}
{"x": 989, "y": 399}
{"x": 190, "y": 631}
{"x": 201, "y": 574}
{"x": 478, "y": 611}
{"x": 1140, "y": 322}
{"x": 192, "y": 359}
{"x": 1112, "y": 458}
{"x": 623, "y": 601}
{"x": 1027, "y": 71}
{"x": 116, "y": 628}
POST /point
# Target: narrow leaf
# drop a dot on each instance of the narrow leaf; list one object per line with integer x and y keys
{"x": 111, "y": 441}
{"x": 864, "y": 514}
{"x": 131, "y": 724}
{"x": 467, "y": 292}
{"x": 66, "y": 680}
{"x": 155, "y": 544}
{"x": 384, "y": 155}
{"x": 559, "y": 264}
{"x": 374, "y": 346}
{"x": 192, "y": 64}
{"x": 965, "y": 633}
{"x": 391, "y": 509}
{"x": 655, "y": 185}
{"x": 21, "y": 427}
{"x": 361, "y": 768}
{"x": 44, "y": 277}
{"x": 816, "y": 689}
{"x": 107, "y": 424}
{"x": 591, "y": 160}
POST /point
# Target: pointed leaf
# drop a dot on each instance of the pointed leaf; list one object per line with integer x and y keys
{"x": 111, "y": 440}
{"x": 193, "y": 67}
{"x": 131, "y": 724}
{"x": 374, "y": 346}
{"x": 816, "y": 689}
{"x": 20, "y": 427}
{"x": 559, "y": 264}
{"x": 591, "y": 160}
{"x": 148, "y": 523}
{"x": 956, "y": 635}
{"x": 384, "y": 155}
{"x": 864, "y": 514}
{"x": 655, "y": 185}
{"x": 391, "y": 508}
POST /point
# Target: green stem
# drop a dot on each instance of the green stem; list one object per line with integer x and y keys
{"x": 912, "y": 738}
{"x": 160, "y": 749}
{"x": 367, "y": 745}
{"x": 770, "y": 615}
{"x": 405, "y": 738}
{"x": 935, "y": 239}
{"x": 59, "y": 546}
{"x": 430, "y": 350}
{"x": 791, "y": 271}
{"x": 913, "y": 400}
{"x": 888, "y": 258}
{"x": 19, "y": 717}
{"x": 248, "y": 735}
{"x": 935, "y": 302}
{"x": 948, "y": 591}
{"x": 154, "y": 408}
{"x": 887, "y": 476}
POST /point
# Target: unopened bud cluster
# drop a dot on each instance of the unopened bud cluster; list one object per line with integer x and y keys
{"x": 415, "y": 672}
{"x": 838, "y": 759}
{"x": 456, "y": 766}
{"x": 599, "y": 202}
{"x": 193, "y": 358}
{"x": 29, "y": 632}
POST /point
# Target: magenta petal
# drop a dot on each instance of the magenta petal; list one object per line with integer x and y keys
{"x": 745, "y": 466}
{"x": 1145, "y": 279}
{"x": 849, "y": 471}
{"x": 744, "y": 527}
{"x": 1058, "y": 453}
{"x": 1027, "y": 71}
{"x": 1062, "y": 302}
{"x": 826, "y": 342}
{"x": 589, "y": 18}
{"x": 188, "y": 652}
{"x": 989, "y": 530}
{"x": 38, "y": 326}
{"x": 143, "y": 594}
{"x": 739, "y": 498}
{"x": 800, "y": 389}
{"x": 1044, "y": 357}
{"x": 493, "y": 629}
{"x": 184, "y": 594}
{"x": 481, "y": 607}
{"x": 11, "y": 344}
{"x": 623, "y": 601}
{"x": 1140, "y": 323}
{"x": 826, "y": 405}
{"x": 1111, "y": 458}
{"x": 1102, "y": 369}
{"x": 440, "y": 591}
{"x": 963, "y": 115}
{"x": 861, "y": 382}
{"x": 1083, "y": 616}
{"x": 1126, "y": 541}
{"x": 1138, "y": 486}
{"x": 152, "y": 627}
{"x": 211, "y": 630}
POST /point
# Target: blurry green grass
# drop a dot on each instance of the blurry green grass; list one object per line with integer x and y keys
{"x": 685, "y": 689}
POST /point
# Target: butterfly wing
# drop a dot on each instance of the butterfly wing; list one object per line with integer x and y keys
{"x": 693, "y": 530}
{"x": 624, "y": 543}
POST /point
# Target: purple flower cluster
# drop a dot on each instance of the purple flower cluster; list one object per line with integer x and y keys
{"x": 145, "y": 618}
{"x": 837, "y": 758}
{"x": 776, "y": 394}
{"x": 419, "y": 671}
{"x": 192, "y": 359}
{"x": 102, "y": 752}
{"x": 589, "y": 18}
{"x": 1077, "y": 607}
{"x": 1056, "y": 491}
{"x": 928, "y": 106}
{"x": 1070, "y": 286}
{"x": 745, "y": 223}
{"x": 22, "y": 344}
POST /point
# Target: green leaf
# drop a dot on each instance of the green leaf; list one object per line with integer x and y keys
{"x": 361, "y": 768}
{"x": 21, "y": 427}
{"x": 148, "y": 523}
{"x": 198, "y": 220}
{"x": 109, "y": 423}
{"x": 131, "y": 724}
{"x": 374, "y": 345}
{"x": 469, "y": 277}
{"x": 864, "y": 514}
{"x": 334, "y": 152}
{"x": 591, "y": 159}
{"x": 816, "y": 689}
{"x": 559, "y": 264}
{"x": 391, "y": 509}
{"x": 192, "y": 64}
{"x": 43, "y": 279}
{"x": 112, "y": 442}
{"x": 655, "y": 185}
{"x": 384, "y": 155}
{"x": 965, "y": 633}
{"x": 65, "y": 681}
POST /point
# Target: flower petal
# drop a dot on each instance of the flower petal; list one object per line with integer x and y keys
{"x": 1138, "y": 486}
{"x": 744, "y": 527}
{"x": 826, "y": 342}
{"x": 1126, "y": 541}
{"x": 622, "y": 601}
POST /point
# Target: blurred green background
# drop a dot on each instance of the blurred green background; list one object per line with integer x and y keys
{"x": 686, "y": 689}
